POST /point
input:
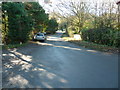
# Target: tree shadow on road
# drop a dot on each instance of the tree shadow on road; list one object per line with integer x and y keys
{"x": 20, "y": 71}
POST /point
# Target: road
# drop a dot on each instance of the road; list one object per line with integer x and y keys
{"x": 59, "y": 64}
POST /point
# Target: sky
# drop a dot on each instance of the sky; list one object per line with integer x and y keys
{"x": 50, "y": 7}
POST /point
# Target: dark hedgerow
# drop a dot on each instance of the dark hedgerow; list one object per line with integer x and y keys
{"x": 103, "y": 36}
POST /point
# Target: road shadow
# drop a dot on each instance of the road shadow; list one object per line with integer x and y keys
{"x": 72, "y": 47}
{"x": 20, "y": 71}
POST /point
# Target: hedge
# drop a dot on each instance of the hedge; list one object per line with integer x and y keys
{"x": 104, "y": 36}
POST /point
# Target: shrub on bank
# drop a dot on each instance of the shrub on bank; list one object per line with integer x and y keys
{"x": 103, "y": 36}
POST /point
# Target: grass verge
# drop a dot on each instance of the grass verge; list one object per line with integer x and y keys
{"x": 91, "y": 45}
{"x": 10, "y": 46}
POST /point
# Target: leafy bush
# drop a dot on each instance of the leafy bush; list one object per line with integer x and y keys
{"x": 16, "y": 23}
{"x": 52, "y": 26}
{"x": 103, "y": 36}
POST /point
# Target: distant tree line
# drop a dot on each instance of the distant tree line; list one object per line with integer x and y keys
{"x": 20, "y": 21}
{"x": 96, "y": 22}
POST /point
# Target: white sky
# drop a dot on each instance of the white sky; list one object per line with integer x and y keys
{"x": 52, "y": 6}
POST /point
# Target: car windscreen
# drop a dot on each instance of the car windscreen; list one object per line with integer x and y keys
{"x": 40, "y": 34}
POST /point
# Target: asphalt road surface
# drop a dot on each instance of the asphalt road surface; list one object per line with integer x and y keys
{"x": 58, "y": 64}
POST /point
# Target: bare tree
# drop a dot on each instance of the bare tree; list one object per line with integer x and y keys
{"x": 74, "y": 8}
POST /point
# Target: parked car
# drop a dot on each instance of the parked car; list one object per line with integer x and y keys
{"x": 45, "y": 33}
{"x": 40, "y": 37}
